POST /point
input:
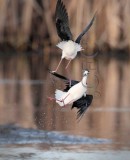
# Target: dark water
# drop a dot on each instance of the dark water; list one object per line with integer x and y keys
{"x": 34, "y": 128}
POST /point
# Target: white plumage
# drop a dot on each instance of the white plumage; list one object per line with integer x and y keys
{"x": 69, "y": 49}
{"x": 73, "y": 94}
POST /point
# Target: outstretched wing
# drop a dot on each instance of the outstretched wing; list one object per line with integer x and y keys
{"x": 85, "y": 30}
{"x": 69, "y": 83}
{"x": 82, "y": 104}
{"x": 62, "y": 22}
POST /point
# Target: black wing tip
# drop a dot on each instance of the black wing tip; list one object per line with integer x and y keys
{"x": 86, "y": 29}
{"x": 62, "y": 21}
{"x": 58, "y": 75}
{"x": 59, "y": 3}
{"x": 69, "y": 83}
{"x": 60, "y": 9}
{"x": 51, "y": 72}
{"x": 81, "y": 112}
{"x": 82, "y": 109}
{"x": 94, "y": 17}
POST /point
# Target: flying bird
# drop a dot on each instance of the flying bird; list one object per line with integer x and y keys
{"x": 74, "y": 94}
{"x": 68, "y": 46}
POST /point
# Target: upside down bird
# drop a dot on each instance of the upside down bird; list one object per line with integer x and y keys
{"x": 75, "y": 94}
{"x": 67, "y": 45}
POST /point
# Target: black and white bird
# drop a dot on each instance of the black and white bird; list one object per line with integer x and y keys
{"x": 67, "y": 45}
{"x": 75, "y": 94}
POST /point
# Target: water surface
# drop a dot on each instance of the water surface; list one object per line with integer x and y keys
{"x": 31, "y": 127}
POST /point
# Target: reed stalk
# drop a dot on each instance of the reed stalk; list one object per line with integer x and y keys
{"x": 19, "y": 18}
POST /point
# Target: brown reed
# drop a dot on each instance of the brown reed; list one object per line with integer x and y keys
{"x": 31, "y": 22}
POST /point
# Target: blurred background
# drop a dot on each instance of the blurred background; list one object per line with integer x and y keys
{"x": 28, "y": 49}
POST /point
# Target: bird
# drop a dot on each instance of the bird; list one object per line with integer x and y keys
{"x": 69, "y": 47}
{"x": 74, "y": 94}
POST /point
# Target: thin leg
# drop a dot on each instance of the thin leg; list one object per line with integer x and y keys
{"x": 58, "y": 65}
{"x": 69, "y": 76}
{"x": 64, "y": 99}
{"x": 66, "y": 96}
{"x": 68, "y": 64}
{"x": 68, "y": 72}
{"x": 51, "y": 99}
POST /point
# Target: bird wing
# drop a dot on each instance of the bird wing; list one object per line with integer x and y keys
{"x": 62, "y": 22}
{"x": 69, "y": 83}
{"x": 85, "y": 30}
{"x": 82, "y": 104}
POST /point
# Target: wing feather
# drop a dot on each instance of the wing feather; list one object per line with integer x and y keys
{"x": 62, "y": 22}
{"x": 69, "y": 83}
{"x": 85, "y": 30}
{"x": 82, "y": 104}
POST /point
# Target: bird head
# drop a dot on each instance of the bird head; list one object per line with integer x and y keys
{"x": 85, "y": 72}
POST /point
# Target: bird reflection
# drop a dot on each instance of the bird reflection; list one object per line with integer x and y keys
{"x": 74, "y": 93}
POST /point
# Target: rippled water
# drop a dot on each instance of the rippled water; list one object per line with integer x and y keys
{"x": 18, "y": 143}
{"x": 31, "y": 127}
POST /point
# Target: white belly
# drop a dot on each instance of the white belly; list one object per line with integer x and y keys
{"x": 69, "y": 49}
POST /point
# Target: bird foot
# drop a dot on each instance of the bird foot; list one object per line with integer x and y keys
{"x": 51, "y": 98}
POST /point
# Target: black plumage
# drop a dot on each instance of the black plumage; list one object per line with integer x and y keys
{"x": 68, "y": 83}
{"x": 85, "y": 30}
{"x": 81, "y": 104}
{"x": 62, "y": 23}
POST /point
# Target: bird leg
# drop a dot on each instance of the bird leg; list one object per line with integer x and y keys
{"x": 54, "y": 99}
{"x": 51, "y": 99}
{"x": 58, "y": 66}
{"x": 69, "y": 75}
{"x": 63, "y": 99}
{"x": 68, "y": 64}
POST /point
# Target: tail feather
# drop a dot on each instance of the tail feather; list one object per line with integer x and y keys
{"x": 78, "y": 47}
{"x": 61, "y": 45}
{"x": 58, "y": 96}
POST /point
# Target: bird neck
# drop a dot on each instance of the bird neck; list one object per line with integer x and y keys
{"x": 84, "y": 81}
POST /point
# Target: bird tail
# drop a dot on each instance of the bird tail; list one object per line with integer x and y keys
{"x": 58, "y": 95}
{"x": 78, "y": 47}
{"x": 61, "y": 45}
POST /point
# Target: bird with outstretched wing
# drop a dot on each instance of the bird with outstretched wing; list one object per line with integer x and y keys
{"x": 69, "y": 47}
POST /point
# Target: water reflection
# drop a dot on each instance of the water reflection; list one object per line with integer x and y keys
{"x": 25, "y": 84}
